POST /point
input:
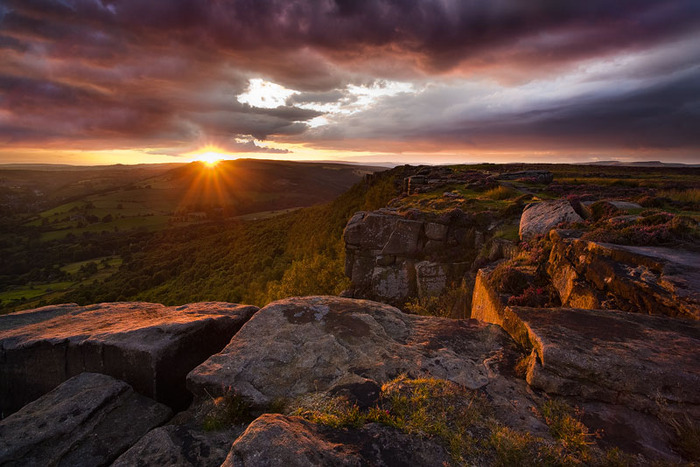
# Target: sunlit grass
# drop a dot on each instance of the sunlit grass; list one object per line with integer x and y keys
{"x": 691, "y": 195}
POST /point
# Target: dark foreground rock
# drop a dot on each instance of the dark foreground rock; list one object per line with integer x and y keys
{"x": 150, "y": 346}
{"x": 643, "y": 362}
{"x": 88, "y": 420}
{"x": 652, "y": 280}
{"x": 179, "y": 446}
{"x": 274, "y": 440}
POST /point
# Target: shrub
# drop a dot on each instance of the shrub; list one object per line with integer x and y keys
{"x": 501, "y": 193}
{"x": 603, "y": 210}
{"x": 687, "y": 437}
{"x": 451, "y": 303}
{"x": 532, "y": 296}
{"x": 507, "y": 278}
{"x": 565, "y": 425}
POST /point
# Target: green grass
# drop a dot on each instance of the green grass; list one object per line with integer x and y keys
{"x": 691, "y": 195}
{"x": 463, "y": 421}
{"x": 469, "y": 200}
{"x": 508, "y": 232}
{"x": 148, "y": 223}
{"x": 33, "y": 295}
{"x": 501, "y": 193}
{"x": 30, "y": 292}
{"x": 73, "y": 268}
{"x": 226, "y": 411}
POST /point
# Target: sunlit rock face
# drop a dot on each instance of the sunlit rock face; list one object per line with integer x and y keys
{"x": 650, "y": 280}
{"x": 150, "y": 346}
{"x": 88, "y": 420}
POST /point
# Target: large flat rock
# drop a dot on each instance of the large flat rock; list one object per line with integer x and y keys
{"x": 150, "y": 346}
{"x": 303, "y": 345}
{"x": 647, "y": 363}
{"x": 652, "y": 280}
{"x": 88, "y": 420}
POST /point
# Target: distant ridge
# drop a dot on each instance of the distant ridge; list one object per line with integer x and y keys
{"x": 642, "y": 164}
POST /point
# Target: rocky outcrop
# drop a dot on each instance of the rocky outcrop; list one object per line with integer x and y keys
{"x": 274, "y": 440}
{"x": 302, "y": 345}
{"x": 178, "y": 446}
{"x": 652, "y": 280}
{"x": 643, "y": 362}
{"x": 391, "y": 257}
{"x": 540, "y": 218}
{"x": 535, "y": 176}
{"x": 88, "y": 420}
{"x": 150, "y": 346}
{"x": 425, "y": 179}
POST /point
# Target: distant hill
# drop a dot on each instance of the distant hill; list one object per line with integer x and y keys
{"x": 642, "y": 164}
{"x": 63, "y": 200}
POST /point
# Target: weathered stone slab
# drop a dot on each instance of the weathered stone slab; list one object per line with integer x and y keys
{"x": 383, "y": 246}
{"x": 150, "y": 346}
{"x": 540, "y": 218}
{"x": 302, "y": 345}
{"x": 392, "y": 283}
{"x": 370, "y": 231}
{"x": 88, "y": 420}
{"x": 178, "y": 446}
{"x": 273, "y": 440}
{"x": 435, "y": 231}
{"x": 431, "y": 278}
{"x": 651, "y": 280}
{"x": 643, "y": 362}
{"x": 405, "y": 239}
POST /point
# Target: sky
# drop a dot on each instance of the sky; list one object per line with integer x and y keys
{"x": 414, "y": 81}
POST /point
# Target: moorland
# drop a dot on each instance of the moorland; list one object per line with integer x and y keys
{"x": 264, "y": 313}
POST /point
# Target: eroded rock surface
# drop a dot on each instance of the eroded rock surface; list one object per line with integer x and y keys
{"x": 642, "y": 362}
{"x": 302, "y": 345}
{"x": 88, "y": 420}
{"x": 150, "y": 346}
{"x": 178, "y": 446}
{"x": 540, "y": 218}
{"x": 391, "y": 258}
{"x": 274, "y": 440}
{"x": 652, "y": 280}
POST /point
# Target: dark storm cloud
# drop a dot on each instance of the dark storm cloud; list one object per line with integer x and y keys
{"x": 661, "y": 115}
{"x": 134, "y": 72}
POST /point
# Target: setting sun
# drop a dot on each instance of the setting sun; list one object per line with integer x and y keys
{"x": 210, "y": 158}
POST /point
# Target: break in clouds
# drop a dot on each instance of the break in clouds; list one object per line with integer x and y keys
{"x": 352, "y": 75}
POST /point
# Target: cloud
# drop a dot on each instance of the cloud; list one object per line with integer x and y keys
{"x": 168, "y": 73}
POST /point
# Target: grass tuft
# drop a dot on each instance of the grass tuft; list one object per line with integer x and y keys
{"x": 227, "y": 411}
